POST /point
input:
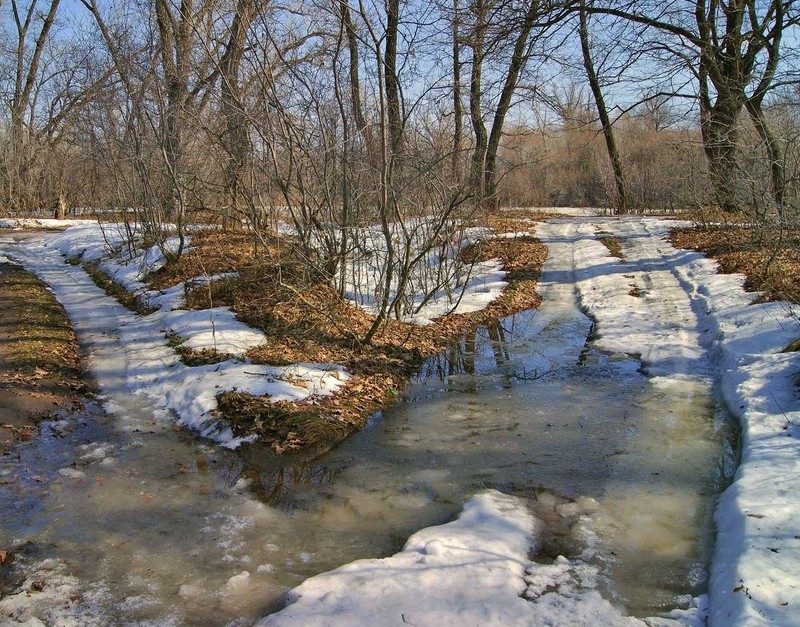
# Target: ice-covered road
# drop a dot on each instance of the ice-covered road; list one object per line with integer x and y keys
{"x": 671, "y": 308}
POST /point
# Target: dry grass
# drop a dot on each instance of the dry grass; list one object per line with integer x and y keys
{"x": 612, "y": 244}
{"x": 115, "y": 290}
{"x": 40, "y": 366}
{"x": 304, "y": 319}
{"x": 770, "y": 260}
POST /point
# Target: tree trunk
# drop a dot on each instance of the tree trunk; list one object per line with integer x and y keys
{"x": 393, "y": 111}
{"x": 620, "y": 201}
{"x": 475, "y": 95}
{"x": 718, "y": 126}
{"x": 174, "y": 39}
{"x": 458, "y": 107}
{"x": 774, "y": 151}
{"x": 237, "y": 137}
{"x": 62, "y": 205}
{"x": 519, "y": 59}
{"x": 355, "y": 80}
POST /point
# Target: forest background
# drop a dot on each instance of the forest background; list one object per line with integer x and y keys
{"x": 335, "y": 115}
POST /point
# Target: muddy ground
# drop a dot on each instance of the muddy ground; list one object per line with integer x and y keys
{"x": 40, "y": 364}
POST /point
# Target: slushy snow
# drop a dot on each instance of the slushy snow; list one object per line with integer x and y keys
{"x": 669, "y": 307}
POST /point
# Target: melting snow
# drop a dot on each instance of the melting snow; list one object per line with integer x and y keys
{"x": 670, "y": 307}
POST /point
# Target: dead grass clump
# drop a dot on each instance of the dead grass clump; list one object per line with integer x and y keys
{"x": 116, "y": 291}
{"x": 305, "y": 320}
{"x": 612, "y": 244}
{"x": 212, "y": 252}
{"x": 793, "y": 347}
{"x": 770, "y": 261}
{"x": 318, "y": 425}
{"x": 202, "y": 357}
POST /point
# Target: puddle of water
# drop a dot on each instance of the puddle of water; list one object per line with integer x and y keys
{"x": 154, "y": 527}
{"x": 622, "y": 469}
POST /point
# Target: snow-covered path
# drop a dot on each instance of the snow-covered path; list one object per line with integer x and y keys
{"x": 653, "y": 315}
{"x": 686, "y": 319}
{"x": 130, "y": 352}
{"x": 696, "y": 320}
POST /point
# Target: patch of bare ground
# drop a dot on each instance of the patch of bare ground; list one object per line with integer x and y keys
{"x": 611, "y": 243}
{"x": 305, "y": 320}
{"x": 40, "y": 367}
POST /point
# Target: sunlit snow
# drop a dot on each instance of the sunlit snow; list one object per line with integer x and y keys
{"x": 668, "y": 307}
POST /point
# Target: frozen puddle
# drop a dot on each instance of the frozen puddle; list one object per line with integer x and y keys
{"x": 609, "y": 477}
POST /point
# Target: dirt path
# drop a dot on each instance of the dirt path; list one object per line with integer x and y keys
{"x": 40, "y": 370}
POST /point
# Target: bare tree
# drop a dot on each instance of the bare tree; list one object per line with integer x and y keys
{"x": 727, "y": 42}
{"x": 506, "y": 35}
{"x": 32, "y": 27}
{"x": 620, "y": 201}
{"x": 49, "y": 79}
{"x": 237, "y": 135}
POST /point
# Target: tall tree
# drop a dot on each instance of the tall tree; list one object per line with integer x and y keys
{"x": 620, "y": 201}
{"x": 236, "y": 138}
{"x": 505, "y": 34}
{"x": 458, "y": 105}
{"x": 353, "y": 65}
{"x": 32, "y": 27}
{"x": 393, "y": 103}
{"x": 754, "y": 105}
{"x": 174, "y": 47}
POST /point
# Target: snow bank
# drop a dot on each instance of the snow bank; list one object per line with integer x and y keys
{"x": 483, "y": 284}
{"x": 40, "y": 223}
{"x": 470, "y": 571}
{"x": 755, "y": 576}
{"x": 209, "y": 329}
{"x": 473, "y": 571}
